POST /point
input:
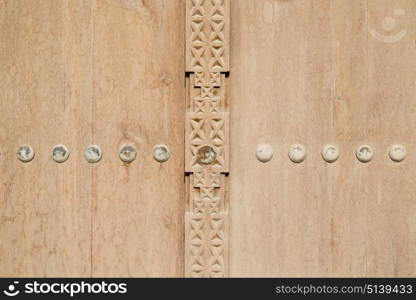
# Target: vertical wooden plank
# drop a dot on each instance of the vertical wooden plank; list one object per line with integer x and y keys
{"x": 138, "y": 99}
{"x": 348, "y": 177}
{"x": 321, "y": 72}
{"x": 207, "y": 138}
{"x": 391, "y": 238}
{"x": 45, "y": 100}
{"x": 280, "y": 89}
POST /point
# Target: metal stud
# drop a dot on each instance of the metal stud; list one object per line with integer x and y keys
{"x": 161, "y": 153}
{"x": 206, "y": 155}
{"x": 397, "y": 153}
{"x": 60, "y": 153}
{"x": 264, "y": 152}
{"x": 127, "y": 153}
{"x": 365, "y": 153}
{"x": 25, "y": 153}
{"x": 93, "y": 154}
{"x": 297, "y": 153}
{"x": 330, "y": 153}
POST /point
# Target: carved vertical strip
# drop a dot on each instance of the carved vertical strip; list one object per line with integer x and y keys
{"x": 207, "y": 138}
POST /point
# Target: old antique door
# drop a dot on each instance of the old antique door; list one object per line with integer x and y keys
{"x": 290, "y": 126}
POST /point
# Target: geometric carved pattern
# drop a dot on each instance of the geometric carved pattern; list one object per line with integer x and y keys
{"x": 207, "y": 32}
{"x": 206, "y": 125}
{"x": 206, "y": 228}
{"x": 206, "y": 129}
{"x": 207, "y": 62}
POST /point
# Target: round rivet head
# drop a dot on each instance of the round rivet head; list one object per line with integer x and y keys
{"x": 397, "y": 153}
{"x": 60, "y": 153}
{"x": 93, "y": 154}
{"x": 330, "y": 153}
{"x": 264, "y": 152}
{"x": 161, "y": 153}
{"x": 25, "y": 153}
{"x": 297, "y": 153}
{"x": 206, "y": 155}
{"x": 365, "y": 153}
{"x": 127, "y": 153}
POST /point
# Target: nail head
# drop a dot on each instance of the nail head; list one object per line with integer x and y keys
{"x": 25, "y": 153}
{"x": 330, "y": 153}
{"x": 397, "y": 153}
{"x": 264, "y": 152}
{"x": 206, "y": 155}
{"x": 297, "y": 153}
{"x": 93, "y": 154}
{"x": 365, "y": 153}
{"x": 127, "y": 153}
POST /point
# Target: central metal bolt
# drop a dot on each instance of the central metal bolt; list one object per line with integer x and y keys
{"x": 397, "y": 152}
{"x": 206, "y": 155}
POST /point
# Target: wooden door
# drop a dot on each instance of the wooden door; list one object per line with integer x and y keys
{"x": 229, "y": 86}
{"x": 91, "y": 72}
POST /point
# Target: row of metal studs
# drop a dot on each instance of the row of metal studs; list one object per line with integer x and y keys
{"x": 93, "y": 153}
{"x": 264, "y": 152}
{"x": 330, "y": 153}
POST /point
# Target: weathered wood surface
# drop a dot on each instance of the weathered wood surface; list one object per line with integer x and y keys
{"x": 312, "y": 72}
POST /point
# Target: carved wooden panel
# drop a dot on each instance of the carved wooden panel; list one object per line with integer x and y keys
{"x": 206, "y": 138}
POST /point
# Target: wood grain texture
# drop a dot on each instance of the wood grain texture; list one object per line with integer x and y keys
{"x": 45, "y": 207}
{"x": 312, "y": 72}
{"x": 391, "y": 205}
{"x": 139, "y": 99}
{"x": 83, "y": 72}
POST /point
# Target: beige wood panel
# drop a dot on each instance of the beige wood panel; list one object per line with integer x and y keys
{"x": 345, "y": 222}
{"x": 280, "y": 78}
{"x": 45, "y": 99}
{"x": 391, "y": 205}
{"x": 312, "y": 72}
{"x": 139, "y": 99}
